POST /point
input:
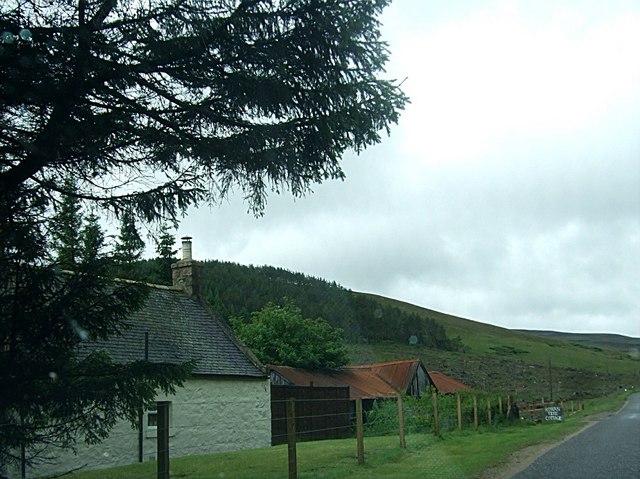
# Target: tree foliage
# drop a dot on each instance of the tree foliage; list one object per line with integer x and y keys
{"x": 76, "y": 238}
{"x": 165, "y": 245}
{"x": 152, "y": 107}
{"x": 129, "y": 245}
{"x": 236, "y": 291}
{"x": 281, "y": 335}
{"x": 165, "y": 255}
{"x": 128, "y": 248}
{"x": 162, "y": 104}
{"x": 93, "y": 241}
{"x": 66, "y": 228}
{"x": 53, "y": 390}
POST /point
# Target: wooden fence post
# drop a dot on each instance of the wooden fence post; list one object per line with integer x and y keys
{"x": 475, "y": 412}
{"x": 162, "y": 440}
{"x": 359, "y": 431}
{"x": 291, "y": 438}
{"x": 403, "y": 442}
{"x": 459, "y": 401}
{"x": 489, "y": 410}
{"x": 23, "y": 461}
{"x": 436, "y": 423}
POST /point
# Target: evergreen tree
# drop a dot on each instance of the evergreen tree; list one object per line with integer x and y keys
{"x": 153, "y": 107}
{"x": 92, "y": 240}
{"x": 66, "y": 227}
{"x": 237, "y": 290}
{"x": 129, "y": 245}
{"x": 173, "y": 102}
{"x": 50, "y": 393}
{"x": 165, "y": 244}
{"x": 166, "y": 254}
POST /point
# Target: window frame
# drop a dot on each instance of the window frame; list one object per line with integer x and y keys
{"x": 152, "y": 430}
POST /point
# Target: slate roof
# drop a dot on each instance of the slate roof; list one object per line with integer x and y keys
{"x": 180, "y": 329}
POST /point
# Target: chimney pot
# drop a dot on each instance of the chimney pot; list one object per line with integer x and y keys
{"x": 186, "y": 248}
{"x": 185, "y": 273}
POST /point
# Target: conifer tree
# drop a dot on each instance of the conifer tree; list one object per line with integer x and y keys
{"x": 50, "y": 394}
{"x": 166, "y": 254}
{"x": 92, "y": 240}
{"x": 66, "y": 227}
{"x": 165, "y": 244}
{"x": 168, "y": 103}
{"x": 153, "y": 107}
{"x": 128, "y": 250}
{"x": 129, "y": 245}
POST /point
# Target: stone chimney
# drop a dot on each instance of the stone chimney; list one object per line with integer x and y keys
{"x": 185, "y": 273}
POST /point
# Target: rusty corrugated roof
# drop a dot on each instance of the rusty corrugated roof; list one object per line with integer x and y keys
{"x": 399, "y": 374}
{"x": 368, "y": 381}
{"x": 445, "y": 384}
{"x": 362, "y": 383}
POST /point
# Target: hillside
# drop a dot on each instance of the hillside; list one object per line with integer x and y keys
{"x": 488, "y": 340}
{"x": 381, "y": 329}
{"x": 499, "y": 358}
{"x": 237, "y": 291}
{"x": 610, "y": 341}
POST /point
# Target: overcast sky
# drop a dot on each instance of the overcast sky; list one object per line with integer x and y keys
{"x": 509, "y": 193}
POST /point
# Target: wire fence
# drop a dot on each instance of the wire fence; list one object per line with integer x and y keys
{"x": 431, "y": 414}
{"x": 300, "y": 414}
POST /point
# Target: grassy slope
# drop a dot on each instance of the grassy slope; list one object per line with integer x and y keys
{"x": 610, "y": 341}
{"x": 507, "y": 360}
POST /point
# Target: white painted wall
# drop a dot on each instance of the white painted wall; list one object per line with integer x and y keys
{"x": 208, "y": 415}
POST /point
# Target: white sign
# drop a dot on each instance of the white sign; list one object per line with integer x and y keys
{"x": 553, "y": 413}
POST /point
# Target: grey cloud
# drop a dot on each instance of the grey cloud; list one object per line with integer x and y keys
{"x": 538, "y": 229}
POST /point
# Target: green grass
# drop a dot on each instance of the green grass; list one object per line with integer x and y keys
{"x": 453, "y": 456}
{"x": 594, "y": 341}
{"x": 485, "y": 339}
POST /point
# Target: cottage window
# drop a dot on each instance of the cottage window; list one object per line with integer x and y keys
{"x": 152, "y": 421}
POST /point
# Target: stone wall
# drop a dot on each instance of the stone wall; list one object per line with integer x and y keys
{"x": 207, "y": 415}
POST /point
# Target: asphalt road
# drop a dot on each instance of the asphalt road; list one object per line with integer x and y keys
{"x": 608, "y": 450}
